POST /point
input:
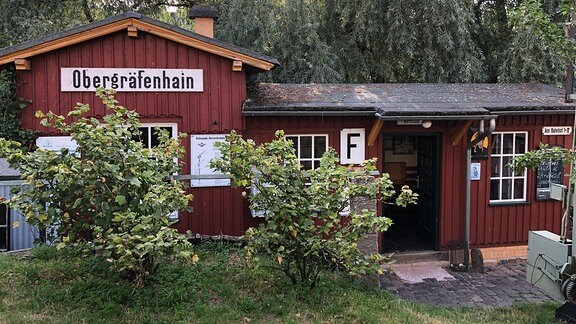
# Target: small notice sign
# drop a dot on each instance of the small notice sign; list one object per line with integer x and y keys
{"x": 557, "y": 130}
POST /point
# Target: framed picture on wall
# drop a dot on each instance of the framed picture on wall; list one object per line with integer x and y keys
{"x": 403, "y": 144}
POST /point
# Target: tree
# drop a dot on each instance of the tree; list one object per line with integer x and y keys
{"x": 539, "y": 49}
{"x": 111, "y": 194}
{"x": 431, "y": 41}
{"x": 304, "y": 232}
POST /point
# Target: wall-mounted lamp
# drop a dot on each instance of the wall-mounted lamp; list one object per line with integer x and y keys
{"x": 426, "y": 123}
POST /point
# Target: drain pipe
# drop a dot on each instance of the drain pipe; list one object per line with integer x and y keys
{"x": 481, "y": 136}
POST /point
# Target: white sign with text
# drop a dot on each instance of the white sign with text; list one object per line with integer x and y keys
{"x": 132, "y": 79}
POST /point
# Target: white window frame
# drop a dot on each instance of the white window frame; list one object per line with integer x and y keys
{"x": 313, "y": 158}
{"x": 346, "y": 211}
{"x": 514, "y": 175}
{"x": 173, "y": 216}
{"x": 152, "y": 126}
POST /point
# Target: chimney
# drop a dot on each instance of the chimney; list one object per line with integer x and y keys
{"x": 204, "y": 17}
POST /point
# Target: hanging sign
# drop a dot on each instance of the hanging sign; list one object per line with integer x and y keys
{"x": 557, "y": 130}
{"x": 133, "y": 79}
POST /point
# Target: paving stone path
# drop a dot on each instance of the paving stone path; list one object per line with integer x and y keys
{"x": 503, "y": 284}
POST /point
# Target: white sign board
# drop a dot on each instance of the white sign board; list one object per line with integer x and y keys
{"x": 203, "y": 149}
{"x": 352, "y": 145}
{"x": 56, "y": 143}
{"x": 134, "y": 79}
{"x": 475, "y": 171}
{"x": 557, "y": 130}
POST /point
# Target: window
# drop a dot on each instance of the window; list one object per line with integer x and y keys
{"x": 4, "y": 228}
{"x": 149, "y": 136}
{"x": 309, "y": 149}
{"x": 505, "y": 184}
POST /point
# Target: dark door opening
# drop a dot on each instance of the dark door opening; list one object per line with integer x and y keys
{"x": 413, "y": 160}
{"x": 4, "y": 229}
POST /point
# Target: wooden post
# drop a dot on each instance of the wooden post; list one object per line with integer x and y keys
{"x": 456, "y": 138}
{"x": 375, "y": 131}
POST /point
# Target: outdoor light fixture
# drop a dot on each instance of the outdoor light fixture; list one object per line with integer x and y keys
{"x": 426, "y": 123}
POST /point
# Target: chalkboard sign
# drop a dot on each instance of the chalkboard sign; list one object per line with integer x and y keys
{"x": 551, "y": 171}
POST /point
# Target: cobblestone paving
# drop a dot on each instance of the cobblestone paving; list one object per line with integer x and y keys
{"x": 503, "y": 284}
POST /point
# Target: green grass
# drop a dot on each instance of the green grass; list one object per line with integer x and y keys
{"x": 50, "y": 288}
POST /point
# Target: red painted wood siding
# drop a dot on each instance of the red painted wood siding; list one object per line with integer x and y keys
{"x": 494, "y": 225}
{"x": 490, "y": 225}
{"x": 217, "y": 109}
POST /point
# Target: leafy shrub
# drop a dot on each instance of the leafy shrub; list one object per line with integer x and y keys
{"x": 112, "y": 194}
{"x": 304, "y": 232}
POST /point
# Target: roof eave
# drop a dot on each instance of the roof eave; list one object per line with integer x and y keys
{"x": 113, "y": 24}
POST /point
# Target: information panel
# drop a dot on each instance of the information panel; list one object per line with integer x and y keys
{"x": 203, "y": 150}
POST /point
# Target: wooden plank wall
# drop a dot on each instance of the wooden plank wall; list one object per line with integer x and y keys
{"x": 217, "y": 109}
{"x": 494, "y": 225}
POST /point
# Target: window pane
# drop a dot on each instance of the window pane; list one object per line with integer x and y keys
{"x": 496, "y": 144}
{"x": 519, "y": 189}
{"x": 306, "y": 147}
{"x": 507, "y": 143}
{"x": 144, "y": 136}
{"x": 138, "y": 134}
{"x": 506, "y": 189}
{"x": 520, "y": 144}
{"x": 495, "y": 167}
{"x": 316, "y": 164}
{"x": 506, "y": 171}
{"x": 519, "y": 173}
{"x": 155, "y": 138}
{"x": 307, "y": 165}
{"x": 495, "y": 190}
{"x": 294, "y": 140}
{"x": 319, "y": 146}
{"x": 3, "y": 215}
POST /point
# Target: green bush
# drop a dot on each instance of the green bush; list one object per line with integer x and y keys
{"x": 111, "y": 194}
{"x": 304, "y": 232}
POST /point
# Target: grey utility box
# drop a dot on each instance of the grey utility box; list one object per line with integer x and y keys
{"x": 546, "y": 256}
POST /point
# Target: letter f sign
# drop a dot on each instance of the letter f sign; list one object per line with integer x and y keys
{"x": 352, "y": 145}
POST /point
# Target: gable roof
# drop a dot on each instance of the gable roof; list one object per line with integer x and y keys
{"x": 121, "y": 22}
{"x": 400, "y": 100}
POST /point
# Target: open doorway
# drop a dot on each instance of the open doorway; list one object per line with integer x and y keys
{"x": 413, "y": 160}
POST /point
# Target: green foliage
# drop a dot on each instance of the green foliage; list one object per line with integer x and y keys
{"x": 431, "y": 41}
{"x": 352, "y": 41}
{"x": 304, "y": 232}
{"x": 539, "y": 49}
{"x": 10, "y": 108}
{"x": 111, "y": 193}
{"x": 532, "y": 159}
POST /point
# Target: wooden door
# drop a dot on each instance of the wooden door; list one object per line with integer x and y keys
{"x": 428, "y": 188}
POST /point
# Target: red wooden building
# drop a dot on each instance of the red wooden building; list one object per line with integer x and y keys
{"x": 189, "y": 82}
